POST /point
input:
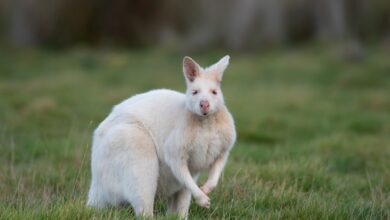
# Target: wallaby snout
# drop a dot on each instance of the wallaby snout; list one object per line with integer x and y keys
{"x": 204, "y": 106}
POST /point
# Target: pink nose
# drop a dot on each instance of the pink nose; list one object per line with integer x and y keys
{"x": 204, "y": 105}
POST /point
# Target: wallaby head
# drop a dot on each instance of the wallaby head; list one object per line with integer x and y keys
{"x": 204, "y": 95}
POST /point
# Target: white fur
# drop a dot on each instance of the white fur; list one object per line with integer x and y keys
{"x": 157, "y": 143}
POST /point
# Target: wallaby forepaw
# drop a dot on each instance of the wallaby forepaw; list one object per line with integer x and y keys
{"x": 206, "y": 189}
{"x": 203, "y": 201}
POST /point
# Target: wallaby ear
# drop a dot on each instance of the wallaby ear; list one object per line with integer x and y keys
{"x": 190, "y": 68}
{"x": 219, "y": 67}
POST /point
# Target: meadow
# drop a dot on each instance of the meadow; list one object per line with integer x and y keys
{"x": 313, "y": 130}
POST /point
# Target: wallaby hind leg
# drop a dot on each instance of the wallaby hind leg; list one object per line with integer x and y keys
{"x": 137, "y": 158}
{"x": 179, "y": 203}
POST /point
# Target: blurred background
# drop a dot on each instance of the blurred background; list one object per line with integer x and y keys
{"x": 194, "y": 25}
{"x": 308, "y": 85}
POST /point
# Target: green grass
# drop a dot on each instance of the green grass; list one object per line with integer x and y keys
{"x": 313, "y": 131}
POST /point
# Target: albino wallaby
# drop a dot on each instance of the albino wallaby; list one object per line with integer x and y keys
{"x": 157, "y": 143}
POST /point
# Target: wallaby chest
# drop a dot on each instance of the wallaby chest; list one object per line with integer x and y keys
{"x": 208, "y": 143}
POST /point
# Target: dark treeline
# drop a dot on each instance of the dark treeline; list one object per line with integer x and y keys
{"x": 234, "y": 24}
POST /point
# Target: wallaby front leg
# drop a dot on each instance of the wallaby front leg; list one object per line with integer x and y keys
{"x": 214, "y": 173}
{"x": 182, "y": 173}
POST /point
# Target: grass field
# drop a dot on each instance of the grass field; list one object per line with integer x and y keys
{"x": 313, "y": 131}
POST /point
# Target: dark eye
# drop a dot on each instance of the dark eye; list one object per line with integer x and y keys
{"x": 214, "y": 92}
{"x": 194, "y": 92}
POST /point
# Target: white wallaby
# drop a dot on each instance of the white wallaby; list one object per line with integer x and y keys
{"x": 156, "y": 144}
